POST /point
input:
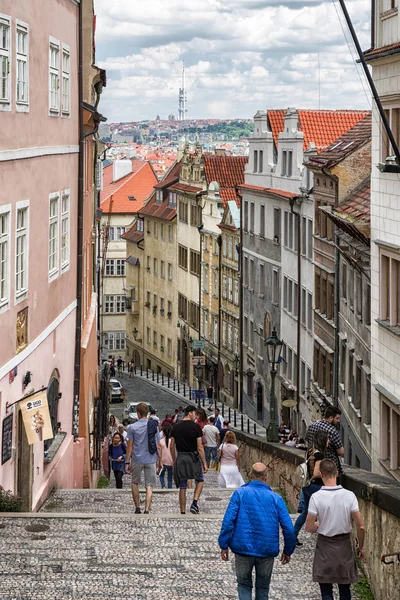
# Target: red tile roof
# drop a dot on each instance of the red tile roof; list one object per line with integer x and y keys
{"x": 353, "y": 215}
{"x": 172, "y": 176}
{"x": 160, "y": 211}
{"x": 375, "y": 53}
{"x": 139, "y": 184}
{"x": 357, "y": 205}
{"x": 275, "y": 192}
{"x": 348, "y": 143}
{"x": 183, "y": 187}
{"x": 227, "y": 171}
{"x": 319, "y": 126}
{"x": 132, "y": 235}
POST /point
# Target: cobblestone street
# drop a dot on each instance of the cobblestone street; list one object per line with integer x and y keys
{"x": 88, "y": 545}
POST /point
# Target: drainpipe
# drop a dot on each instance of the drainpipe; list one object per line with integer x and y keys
{"x": 200, "y": 230}
{"x": 336, "y": 305}
{"x": 219, "y": 241}
{"x": 298, "y": 359}
{"x": 372, "y": 24}
{"x": 240, "y": 263}
{"x": 78, "y": 323}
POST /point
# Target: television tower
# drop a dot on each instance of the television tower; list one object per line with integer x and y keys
{"x": 182, "y": 110}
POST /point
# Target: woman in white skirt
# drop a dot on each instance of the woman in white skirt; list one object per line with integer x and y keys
{"x": 228, "y": 454}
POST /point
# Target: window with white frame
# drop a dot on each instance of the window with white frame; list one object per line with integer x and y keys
{"x": 236, "y": 292}
{"x": 22, "y": 64}
{"x": 120, "y": 341}
{"x": 54, "y": 81}
{"x": 66, "y": 92}
{"x": 5, "y": 74}
{"x": 275, "y": 286}
{"x": 224, "y": 286}
{"x": 108, "y": 304}
{"x": 53, "y": 235}
{"x": 235, "y": 340}
{"x": 4, "y": 255}
{"x": 205, "y": 324}
{"x": 114, "y": 304}
{"x": 65, "y": 229}
{"x": 215, "y": 331}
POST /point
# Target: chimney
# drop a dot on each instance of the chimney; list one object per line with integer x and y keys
{"x": 121, "y": 168}
{"x": 220, "y": 152}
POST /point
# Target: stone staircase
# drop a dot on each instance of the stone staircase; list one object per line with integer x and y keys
{"x": 88, "y": 545}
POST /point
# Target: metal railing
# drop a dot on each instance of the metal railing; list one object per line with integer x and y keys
{"x": 185, "y": 390}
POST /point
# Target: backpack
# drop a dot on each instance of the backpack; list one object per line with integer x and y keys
{"x": 306, "y": 469}
{"x": 152, "y": 429}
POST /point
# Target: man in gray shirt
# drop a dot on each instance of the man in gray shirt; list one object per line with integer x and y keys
{"x": 142, "y": 459}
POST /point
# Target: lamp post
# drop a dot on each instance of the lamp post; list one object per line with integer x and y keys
{"x": 199, "y": 376}
{"x": 274, "y": 349}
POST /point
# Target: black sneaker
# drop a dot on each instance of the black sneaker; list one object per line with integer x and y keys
{"x": 145, "y": 512}
{"x": 138, "y": 511}
{"x": 194, "y": 509}
{"x": 298, "y": 543}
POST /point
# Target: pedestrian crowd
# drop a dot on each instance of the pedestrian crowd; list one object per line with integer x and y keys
{"x": 181, "y": 448}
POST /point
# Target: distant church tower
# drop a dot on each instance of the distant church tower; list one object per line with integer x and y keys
{"x": 182, "y": 110}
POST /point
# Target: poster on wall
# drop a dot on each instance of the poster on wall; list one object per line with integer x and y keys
{"x": 6, "y": 439}
{"x": 36, "y": 417}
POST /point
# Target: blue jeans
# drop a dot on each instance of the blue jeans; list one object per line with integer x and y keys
{"x": 327, "y": 591}
{"x": 244, "y": 568}
{"x": 211, "y": 453}
{"x": 168, "y": 469}
{"x": 307, "y": 493}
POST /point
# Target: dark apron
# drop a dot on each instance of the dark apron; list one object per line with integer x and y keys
{"x": 334, "y": 560}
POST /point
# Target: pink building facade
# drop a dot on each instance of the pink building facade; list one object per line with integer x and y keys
{"x": 39, "y": 158}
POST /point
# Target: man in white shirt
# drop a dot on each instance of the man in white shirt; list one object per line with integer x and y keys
{"x": 211, "y": 434}
{"x": 330, "y": 514}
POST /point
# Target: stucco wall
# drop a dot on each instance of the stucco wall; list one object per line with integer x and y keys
{"x": 379, "y": 501}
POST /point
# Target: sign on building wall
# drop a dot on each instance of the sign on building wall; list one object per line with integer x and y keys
{"x": 6, "y": 439}
{"x": 36, "y": 417}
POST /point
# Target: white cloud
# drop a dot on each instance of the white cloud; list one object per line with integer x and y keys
{"x": 240, "y": 56}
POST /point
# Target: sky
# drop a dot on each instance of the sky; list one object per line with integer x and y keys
{"x": 240, "y": 56}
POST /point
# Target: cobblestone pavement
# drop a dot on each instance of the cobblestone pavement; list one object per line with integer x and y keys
{"x": 88, "y": 545}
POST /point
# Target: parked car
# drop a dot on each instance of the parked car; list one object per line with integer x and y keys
{"x": 117, "y": 391}
{"x": 131, "y": 413}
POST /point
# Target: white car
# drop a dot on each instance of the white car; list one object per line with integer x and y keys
{"x": 131, "y": 412}
{"x": 116, "y": 390}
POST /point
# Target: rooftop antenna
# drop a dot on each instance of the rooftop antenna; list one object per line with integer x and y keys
{"x": 319, "y": 84}
{"x": 182, "y": 110}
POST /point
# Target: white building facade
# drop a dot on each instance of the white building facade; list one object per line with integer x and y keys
{"x": 385, "y": 247}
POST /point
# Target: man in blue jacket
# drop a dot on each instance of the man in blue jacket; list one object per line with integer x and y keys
{"x": 251, "y": 530}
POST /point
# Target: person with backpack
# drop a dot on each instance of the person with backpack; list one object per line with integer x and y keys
{"x": 312, "y": 477}
{"x": 142, "y": 439}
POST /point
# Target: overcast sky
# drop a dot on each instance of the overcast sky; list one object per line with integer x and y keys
{"x": 240, "y": 56}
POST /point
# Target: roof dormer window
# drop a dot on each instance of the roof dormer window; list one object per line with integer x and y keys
{"x": 159, "y": 196}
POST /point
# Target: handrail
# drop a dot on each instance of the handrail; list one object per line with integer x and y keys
{"x": 390, "y": 562}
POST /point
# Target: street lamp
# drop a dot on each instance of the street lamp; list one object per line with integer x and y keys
{"x": 199, "y": 375}
{"x": 274, "y": 349}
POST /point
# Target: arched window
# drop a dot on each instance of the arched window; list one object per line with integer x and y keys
{"x": 52, "y": 399}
